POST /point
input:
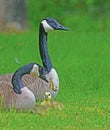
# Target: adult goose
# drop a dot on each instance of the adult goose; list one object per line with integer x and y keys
{"x": 48, "y": 80}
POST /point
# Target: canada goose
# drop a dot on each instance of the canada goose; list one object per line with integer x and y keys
{"x": 37, "y": 85}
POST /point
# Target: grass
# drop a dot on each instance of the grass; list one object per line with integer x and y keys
{"x": 83, "y": 64}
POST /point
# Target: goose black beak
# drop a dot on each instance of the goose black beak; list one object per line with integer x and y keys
{"x": 61, "y": 27}
{"x": 43, "y": 77}
{"x": 17, "y": 90}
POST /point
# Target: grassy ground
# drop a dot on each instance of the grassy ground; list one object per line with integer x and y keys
{"x": 83, "y": 64}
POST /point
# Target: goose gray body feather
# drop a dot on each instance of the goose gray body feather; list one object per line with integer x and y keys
{"x": 23, "y": 101}
{"x": 36, "y": 85}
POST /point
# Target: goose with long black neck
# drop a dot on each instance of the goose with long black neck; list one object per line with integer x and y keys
{"x": 44, "y": 50}
{"x": 47, "y": 81}
{"x": 47, "y": 25}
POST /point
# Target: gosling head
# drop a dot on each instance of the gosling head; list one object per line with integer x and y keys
{"x": 47, "y": 96}
{"x": 50, "y": 24}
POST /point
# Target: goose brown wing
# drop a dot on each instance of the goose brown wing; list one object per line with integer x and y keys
{"x": 6, "y": 79}
{"x": 36, "y": 85}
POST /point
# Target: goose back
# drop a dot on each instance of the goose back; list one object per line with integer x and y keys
{"x": 36, "y": 85}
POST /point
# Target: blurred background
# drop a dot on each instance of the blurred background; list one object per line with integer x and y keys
{"x": 79, "y": 15}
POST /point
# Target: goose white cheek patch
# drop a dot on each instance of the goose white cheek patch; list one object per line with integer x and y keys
{"x": 46, "y": 26}
{"x": 34, "y": 71}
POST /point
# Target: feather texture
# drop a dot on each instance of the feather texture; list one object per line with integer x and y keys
{"x": 36, "y": 85}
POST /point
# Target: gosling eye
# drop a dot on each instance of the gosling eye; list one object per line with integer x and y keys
{"x": 49, "y": 94}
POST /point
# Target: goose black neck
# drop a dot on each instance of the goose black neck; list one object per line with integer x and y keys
{"x": 17, "y": 77}
{"x": 44, "y": 50}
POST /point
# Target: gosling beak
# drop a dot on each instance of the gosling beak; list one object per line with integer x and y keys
{"x": 46, "y": 96}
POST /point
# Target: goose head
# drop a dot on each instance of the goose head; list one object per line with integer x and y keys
{"x": 50, "y": 24}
